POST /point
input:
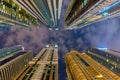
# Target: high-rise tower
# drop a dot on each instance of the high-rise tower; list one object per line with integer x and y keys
{"x": 84, "y": 12}
{"x": 47, "y": 11}
{"x": 107, "y": 57}
{"x": 12, "y": 61}
{"x": 80, "y": 66}
{"x": 13, "y": 14}
{"x": 10, "y": 50}
{"x": 44, "y": 66}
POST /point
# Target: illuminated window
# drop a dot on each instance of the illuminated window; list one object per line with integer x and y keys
{"x": 82, "y": 5}
{"x": 7, "y": 0}
{"x": 85, "y": 2}
{"x": 107, "y": 60}
{"x": 112, "y": 67}
{"x": 75, "y": 13}
{"x": 4, "y": 7}
{"x": 13, "y": 5}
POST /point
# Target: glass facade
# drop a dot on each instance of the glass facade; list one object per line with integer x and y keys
{"x": 81, "y": 7}
{"x": 90, "y": 11}
{"x": 10, "y": 50}
{"x": 107, "y": 59}
{"x": 46, "y": 11}
{"x": 10, "y": 10}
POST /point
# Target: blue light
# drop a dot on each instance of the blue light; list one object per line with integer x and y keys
{"x": 104, "y": 10}
{"x": 106, "y": 13}
{"x": 102, "y": 48}
{"x": 56, "y": 45}
{"x": 107, "y": 9}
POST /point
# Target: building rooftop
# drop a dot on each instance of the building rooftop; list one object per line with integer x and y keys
{"x": 115, "y": 53}
{"x": 10, "y": 57}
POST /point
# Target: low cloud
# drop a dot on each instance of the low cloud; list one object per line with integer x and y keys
{"x": 101, "y": 33}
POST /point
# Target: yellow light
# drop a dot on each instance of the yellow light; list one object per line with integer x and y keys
{"x": 99, "y": 76}
{"x": 19, "y": 8}
{"x": 95, "y": 18}
{"x": 4, "y": 7}
{"x": 79, "y": 21}
{"x": 107, "y": 60}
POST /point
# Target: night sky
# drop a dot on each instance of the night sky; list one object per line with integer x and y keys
{"x": 101, "y": 34}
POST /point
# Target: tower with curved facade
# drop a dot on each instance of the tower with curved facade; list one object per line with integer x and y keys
{"x": 80, "y": 66}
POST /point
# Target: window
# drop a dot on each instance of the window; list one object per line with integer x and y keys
{"x": 82, "y": 5}
{"x": 4, "y": 7}
{"x": 75, "y": 12}
{"x": 8, "y": 1}
{"x": 85, "y": 2}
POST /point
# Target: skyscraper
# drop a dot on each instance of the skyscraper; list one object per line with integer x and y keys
{"x": 10, "y": 50}
{"x": 84, "y": 12}
{"x": 44, "y": 66}
{"x": 80, "y": 66}
{"x": 12, "y": 61}
{"x": 107, "y": 57}
{"x": 47, "y": 11}
{"x": 13, "y": 14}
